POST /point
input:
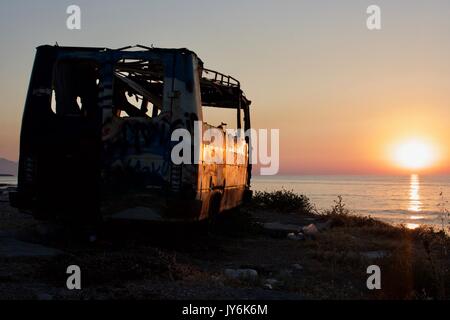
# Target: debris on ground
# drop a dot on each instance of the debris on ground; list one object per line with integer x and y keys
{"x": 310, "y": 230}
{"x": 295, "y": 236}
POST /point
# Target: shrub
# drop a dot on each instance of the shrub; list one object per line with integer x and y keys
{"x": 339, "y": 208}
{"x": 340, "y": 215}
{"x": 284, "y": 201}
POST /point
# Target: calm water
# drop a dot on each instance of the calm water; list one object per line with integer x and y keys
{"x": 411, "y": 200}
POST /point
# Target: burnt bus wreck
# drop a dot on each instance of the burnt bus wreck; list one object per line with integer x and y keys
{"x": 96, "y": 136}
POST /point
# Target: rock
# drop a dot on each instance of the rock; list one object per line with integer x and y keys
{"x": 241, "y": 274}
{"x": 310, "y": 230}
{"x": 295, "y": 236}
{"x": 271, "y": 283}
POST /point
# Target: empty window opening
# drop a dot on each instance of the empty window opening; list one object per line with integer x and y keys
{"x": 226, "y": 118}
{"x": 138, "y": 88}
{"x": 76, "y": 88}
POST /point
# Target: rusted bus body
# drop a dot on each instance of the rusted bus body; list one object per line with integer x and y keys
{"x": 223, "y": 182}
{"x": 88, "y": 152}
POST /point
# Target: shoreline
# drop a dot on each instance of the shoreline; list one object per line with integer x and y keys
{"x": 437, "y": 226}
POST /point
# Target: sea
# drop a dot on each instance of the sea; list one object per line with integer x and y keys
{"x": 412, "y": 200}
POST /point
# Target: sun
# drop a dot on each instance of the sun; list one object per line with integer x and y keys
{"x": 414, "y": 154}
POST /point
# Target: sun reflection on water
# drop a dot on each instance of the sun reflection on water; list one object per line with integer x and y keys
{"x": 415, "y": 205}
{"x": 414, "y": 194}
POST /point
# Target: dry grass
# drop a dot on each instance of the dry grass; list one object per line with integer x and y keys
{"x": 416, "y": 264}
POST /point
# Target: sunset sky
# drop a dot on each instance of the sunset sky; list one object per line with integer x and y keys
{"x": 344, "y": 98}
